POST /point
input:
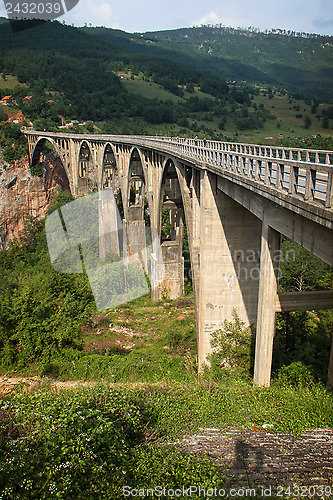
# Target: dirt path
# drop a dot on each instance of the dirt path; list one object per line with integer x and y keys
{"x": 30, "y": 384}
{"x": 273, "y": 458}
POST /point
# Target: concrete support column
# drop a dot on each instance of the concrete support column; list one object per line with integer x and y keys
{"x": 330, "y": 370}
{"x": 134, "y": 242}
{"x": 110, "y": 229}
{"x": 157, "y": 270}
{"x": 270, "y": 244}
{"x": 173, "y": 262}
{"x": 193, "y": 230}
{"x": 74, "y": 161}
{"x": 229, "y": 262}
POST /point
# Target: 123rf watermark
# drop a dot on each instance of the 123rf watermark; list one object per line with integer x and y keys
{"x": 295, "y": 491}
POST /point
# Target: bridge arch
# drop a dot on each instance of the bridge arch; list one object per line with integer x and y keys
{"x": 110, "y": 175}
{"x": 135, "y": 195}
{"x": 171, "y": 226}
{"x": 37, "y": 157}
{"x": 38, "y": 149}
{"x": 136, "y": 223}
{"x": 85, "y": 156}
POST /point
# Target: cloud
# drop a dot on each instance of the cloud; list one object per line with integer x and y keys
{"x": 211, "y": 18}
{"x": 214, "y": 18}
{"x": 325, "y": 20}
{"x": 91, "y": 11}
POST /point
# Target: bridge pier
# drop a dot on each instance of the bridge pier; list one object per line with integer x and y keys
{"x": 269, "y": 268}
{"x": 173, "y": 261}
{"x": 110, "y": 233}
{"x": 229, "y": 262}
{"x": 134, "y": 242}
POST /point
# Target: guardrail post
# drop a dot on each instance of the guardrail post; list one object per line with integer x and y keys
{"x": 308, "y": 185}
{"x": 292, "y": 179}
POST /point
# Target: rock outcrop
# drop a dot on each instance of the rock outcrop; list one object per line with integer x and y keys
{"x": 23, "y": 195}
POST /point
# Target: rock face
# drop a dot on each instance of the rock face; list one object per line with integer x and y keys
{"x": 22, "y": 195}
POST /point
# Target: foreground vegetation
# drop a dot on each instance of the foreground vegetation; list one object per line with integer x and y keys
{"x": 143, "y": 393}
{"x": 90, "y": 443}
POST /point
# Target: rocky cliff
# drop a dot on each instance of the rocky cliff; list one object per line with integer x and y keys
{"x": 22, "y": 195}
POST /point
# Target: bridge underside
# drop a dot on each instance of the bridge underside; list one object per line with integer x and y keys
{"x": 234, "y": 234}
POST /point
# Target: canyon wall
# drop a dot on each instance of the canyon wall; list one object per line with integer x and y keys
{"x": 23, "y": 195}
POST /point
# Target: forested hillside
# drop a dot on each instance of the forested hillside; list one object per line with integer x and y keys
{"x": 172, "y": 83}
{"x": 299, "y": 62}
{"x": 81, "y": 68}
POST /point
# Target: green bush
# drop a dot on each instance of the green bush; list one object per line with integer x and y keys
{"x": 41, "y": 311}
{"x": 233, "y": 347}
{"x": 295, "y": 375}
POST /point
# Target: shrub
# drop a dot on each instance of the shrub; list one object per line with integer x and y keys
{"x": 295, "y": 375}
{"x": 232, "y": 348}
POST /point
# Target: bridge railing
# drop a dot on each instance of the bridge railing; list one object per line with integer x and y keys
{"x": 303, "y": 173}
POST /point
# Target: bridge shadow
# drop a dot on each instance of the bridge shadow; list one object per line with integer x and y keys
{"x": 247, "y": 466}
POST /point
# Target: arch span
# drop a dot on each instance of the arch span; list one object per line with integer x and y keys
{"x": 86, "y": 175}
{"x": 110, "y": 176}
{"x": 171, "y": 227}
{"x": 40, "y": 162}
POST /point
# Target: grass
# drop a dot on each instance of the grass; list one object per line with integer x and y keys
{"x": 9, "y": 82}
{"x": 149, "y": 89}
{"x": 142, "y": 341}
{"x": 92, "y": 442}
{"x": 154, "y": 91}
{"x": 148, "y": 349}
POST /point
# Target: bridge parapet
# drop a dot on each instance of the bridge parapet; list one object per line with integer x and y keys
{"x": 305, "y": 174}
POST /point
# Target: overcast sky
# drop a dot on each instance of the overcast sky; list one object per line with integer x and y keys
{"x": 311, "y": 16}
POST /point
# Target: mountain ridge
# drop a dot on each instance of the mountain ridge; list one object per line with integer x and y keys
{"x": 276, "y": 58}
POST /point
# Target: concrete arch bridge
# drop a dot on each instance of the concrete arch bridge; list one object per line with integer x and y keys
{"x": 237, "y": 201}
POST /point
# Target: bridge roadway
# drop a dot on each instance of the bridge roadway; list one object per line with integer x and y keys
{"x": 237, "y": 201}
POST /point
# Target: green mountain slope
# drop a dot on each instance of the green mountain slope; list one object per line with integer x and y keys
{"x": 298, "y": 63}
{"x": 158, "y": 83}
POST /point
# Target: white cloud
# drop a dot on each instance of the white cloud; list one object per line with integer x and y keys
{"x": 213, "y": 18}
{"x": 91, "y": 11}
